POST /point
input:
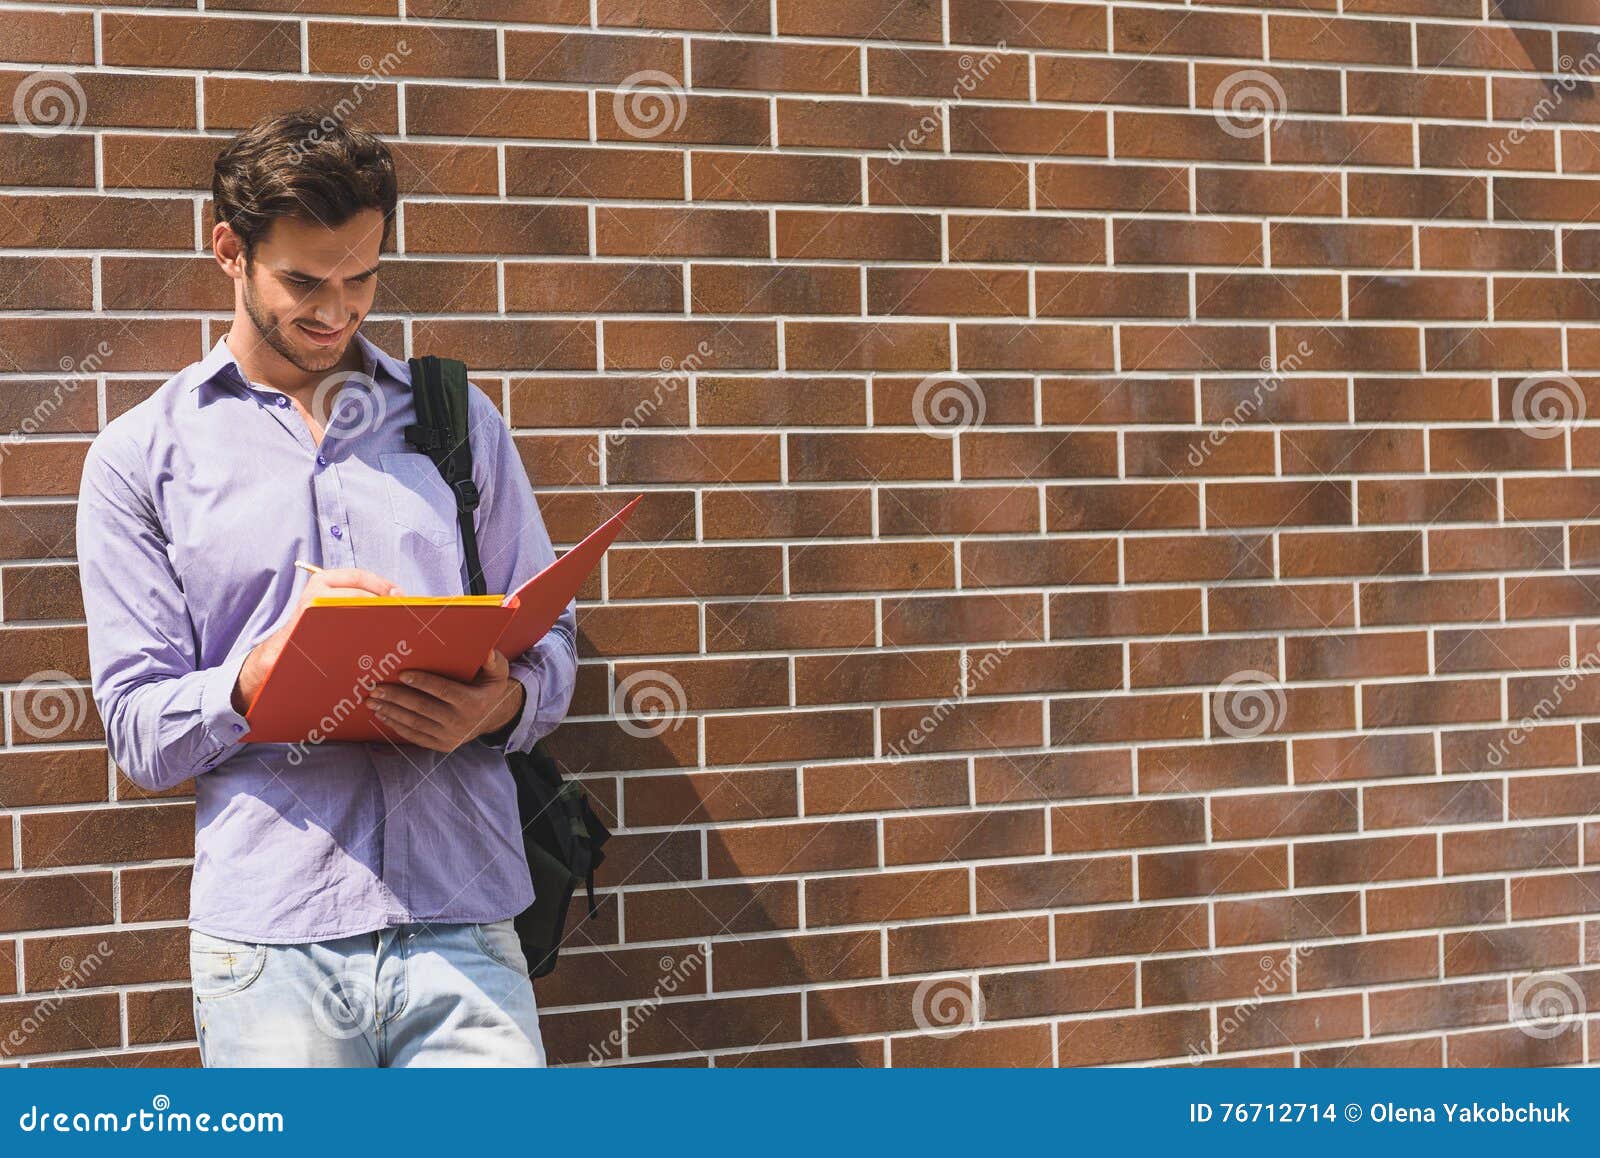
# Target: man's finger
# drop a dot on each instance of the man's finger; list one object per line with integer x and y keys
{"x": 408, "y": 735}
{"x": 343, "y": 592}
{"x": 415, "y": 721}
{"x": 356, "y": 577}
{"x": 412, "y": 700}
{"x": 429, "y": 684}
{"x": 494, "y": 669}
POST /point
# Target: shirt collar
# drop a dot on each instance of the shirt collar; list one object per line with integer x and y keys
{"x": 220, "y": 362}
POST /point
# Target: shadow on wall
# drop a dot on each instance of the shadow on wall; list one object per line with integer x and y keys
{"x": 701, "y": 872}
{"x": 656, "y": 985}
{"x": 1573, "y": 47}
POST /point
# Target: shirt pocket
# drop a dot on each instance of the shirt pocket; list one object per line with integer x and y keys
{"x": 419, "y": 499}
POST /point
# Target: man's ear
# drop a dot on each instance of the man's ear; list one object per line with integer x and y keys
{"x": 228, "y": 248}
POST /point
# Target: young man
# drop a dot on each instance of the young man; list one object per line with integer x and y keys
{"x": 351, "y": 902}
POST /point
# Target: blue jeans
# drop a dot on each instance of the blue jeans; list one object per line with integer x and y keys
{"x": 412, "y": 995}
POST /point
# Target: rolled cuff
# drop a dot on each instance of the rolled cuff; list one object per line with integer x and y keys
{"x": 225, "y": 728}
{"x": 527, "y": 730}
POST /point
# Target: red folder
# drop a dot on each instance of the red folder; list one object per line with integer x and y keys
{"x": 340, "y": 648}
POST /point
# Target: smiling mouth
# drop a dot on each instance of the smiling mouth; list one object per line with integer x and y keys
{"x": 321, "y": 337}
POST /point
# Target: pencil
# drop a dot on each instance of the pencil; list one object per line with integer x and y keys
{"x": 311, "y": 568}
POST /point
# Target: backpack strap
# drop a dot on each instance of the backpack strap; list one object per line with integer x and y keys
{"x": 439, "y": 391}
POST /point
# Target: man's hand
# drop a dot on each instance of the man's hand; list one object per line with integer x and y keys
{"x": 432, "y": 711}
{"x": 344, "y": 581}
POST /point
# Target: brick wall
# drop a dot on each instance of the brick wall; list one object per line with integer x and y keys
{"x": 1116, "y": 577}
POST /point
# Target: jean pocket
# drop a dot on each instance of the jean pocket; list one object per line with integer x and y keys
{"x": 219, "y": 966}
{"x": 499, "y": 940}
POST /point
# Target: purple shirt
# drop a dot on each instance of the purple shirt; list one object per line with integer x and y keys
{"x": 194, "y": 506}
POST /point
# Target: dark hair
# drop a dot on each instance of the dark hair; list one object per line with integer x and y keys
{"x": 305, "y": 163}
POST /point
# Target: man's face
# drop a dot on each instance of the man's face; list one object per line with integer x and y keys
{"x": 309, "y": 287}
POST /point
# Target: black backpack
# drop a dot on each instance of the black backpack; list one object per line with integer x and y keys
{"x": 560, "y": 831}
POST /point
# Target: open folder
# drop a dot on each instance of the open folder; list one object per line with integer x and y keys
{"x": 341, "y": 647}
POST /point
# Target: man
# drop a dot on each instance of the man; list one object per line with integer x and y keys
{"x": 351, "y": 902}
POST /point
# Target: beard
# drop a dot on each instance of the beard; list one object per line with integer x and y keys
{"x": 273, "y": 331}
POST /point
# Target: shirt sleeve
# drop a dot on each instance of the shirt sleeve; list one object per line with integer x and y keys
{"x": 166, "y": 718}
{"x": 513, "y": 547}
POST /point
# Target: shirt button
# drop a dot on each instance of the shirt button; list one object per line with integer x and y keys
{"x": 238, "y": 727}
{"x": 282, "y": 401}
{"x": 335, "y": 531}
{"x": 322, "y": 460}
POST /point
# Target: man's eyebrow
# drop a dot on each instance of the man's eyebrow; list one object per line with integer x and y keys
{"x": 313, "y": 277}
